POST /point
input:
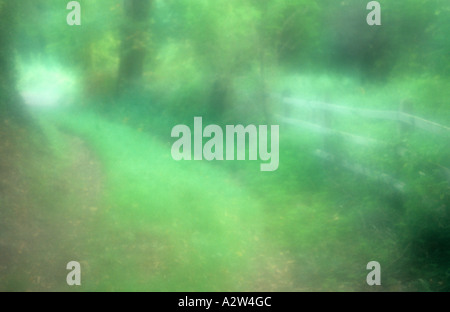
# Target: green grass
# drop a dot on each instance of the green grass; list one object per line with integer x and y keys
{"x": 201, "y": 226}
{"x": 163, "y": 225}
{"x": 200, "y": 223}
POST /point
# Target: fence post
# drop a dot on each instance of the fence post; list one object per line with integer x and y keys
{"x": 330, "y": 143}
{"x": 286, "y": 108}
{"x": 401, "y": 147}
{"x": 404, "y": 130}
{"x": 406, "y": 106}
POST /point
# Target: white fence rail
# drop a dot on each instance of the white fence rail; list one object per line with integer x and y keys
{"x": 325, "y": 129}
{"x": 412, "y": 120}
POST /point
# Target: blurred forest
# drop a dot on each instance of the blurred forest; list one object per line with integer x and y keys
{"x": 86, "y": 172}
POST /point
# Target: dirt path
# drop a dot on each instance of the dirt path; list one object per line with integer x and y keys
{"x": 42, "y": 227}
{"x": 45, "y": 225}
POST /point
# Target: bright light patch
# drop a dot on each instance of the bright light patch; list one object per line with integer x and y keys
{"x": 47, "y": 86}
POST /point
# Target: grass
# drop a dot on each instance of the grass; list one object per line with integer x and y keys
{"x": 210, "y": 223}
{"x": 104, "y": 190}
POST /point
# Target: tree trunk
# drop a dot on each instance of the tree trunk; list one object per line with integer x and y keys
{"x": 219, "y": 97}
{"x": 135, "y": 37}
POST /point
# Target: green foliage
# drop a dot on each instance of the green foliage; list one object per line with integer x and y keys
{"x": 157, "y": 224}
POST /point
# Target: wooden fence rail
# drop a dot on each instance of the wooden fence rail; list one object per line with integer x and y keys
{"x": 401, "y": 116}
{"x": 357, "y": 139}
{"x": 361, "y": 170}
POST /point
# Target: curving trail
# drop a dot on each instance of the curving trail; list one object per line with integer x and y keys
{"x": 46, "y": 210}
{"x": 59, "y": 207}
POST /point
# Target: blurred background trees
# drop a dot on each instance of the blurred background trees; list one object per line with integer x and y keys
{"x": 134, "y": 41}
{"x": 223, "y": 56}
{"x": 11, "y": 105}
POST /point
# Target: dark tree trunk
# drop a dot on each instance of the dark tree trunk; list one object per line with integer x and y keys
{"x": 219, "y": 97}
{"x": 135, "y": 37}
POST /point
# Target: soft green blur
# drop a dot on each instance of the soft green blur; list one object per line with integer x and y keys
{"x": 86, "y": 171}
